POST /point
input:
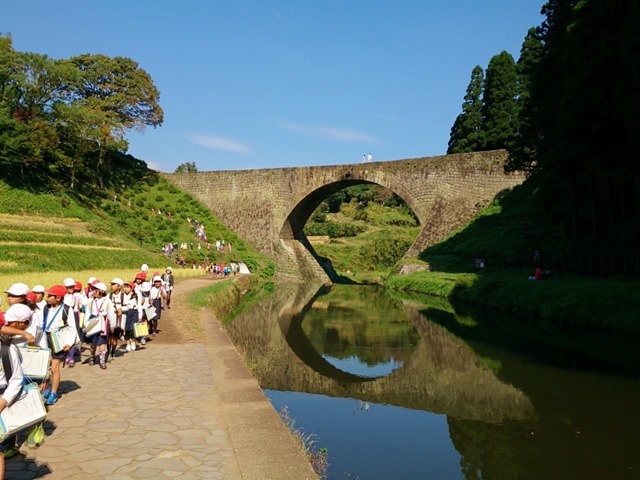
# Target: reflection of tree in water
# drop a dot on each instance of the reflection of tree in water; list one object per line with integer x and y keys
{"x": 486, "y": 449}
{"x": 363, "y": 325}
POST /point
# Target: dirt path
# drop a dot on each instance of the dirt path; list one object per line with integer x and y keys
{"x": 180, "y": 324}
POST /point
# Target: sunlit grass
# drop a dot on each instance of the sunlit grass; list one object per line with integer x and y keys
{"x": 318, "y": 457}
{"x": 55, "y": 278}
{"x": 59, "y": 245}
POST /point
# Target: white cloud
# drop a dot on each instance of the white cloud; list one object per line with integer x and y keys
{"x": 216, "y": 142}
{"x": 155, "y": 166}
{"x": 331, "y": 133}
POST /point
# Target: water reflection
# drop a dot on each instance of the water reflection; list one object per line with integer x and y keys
{"x": 451, "y": 394}
{"x": 356, "y": 332}
{"x": 439, "y": 373}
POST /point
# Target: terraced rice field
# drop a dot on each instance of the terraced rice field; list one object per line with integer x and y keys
{"x": 38, "y": 243}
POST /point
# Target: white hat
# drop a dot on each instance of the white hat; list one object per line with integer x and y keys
{"x": 100, "y": 286}
{"x": 157, "y": 278}
{"x": 18, "y": 313}
{"x": 18, "y": 290}
{"x": 38, "y": 289}
{"x": 144, "y": 267}
{"x": 145, "y": 287}
{"x": 91, "y": 280}
{"x": 117, "y": 281}
{"x": 170, "y": 269}
{"x": 69, "y": 282}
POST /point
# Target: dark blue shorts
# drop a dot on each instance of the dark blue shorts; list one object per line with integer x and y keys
{"x": 61, "y": 355}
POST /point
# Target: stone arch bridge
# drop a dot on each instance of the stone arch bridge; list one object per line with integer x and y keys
{"x": 269, "y": 207}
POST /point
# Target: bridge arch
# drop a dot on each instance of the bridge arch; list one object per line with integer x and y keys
{"x": 293, "y": 226}
{"x": 269, "y": 207}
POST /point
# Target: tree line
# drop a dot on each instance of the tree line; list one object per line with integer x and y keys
{"x": 66, "y": 120}
{"x": 567, "y": 111}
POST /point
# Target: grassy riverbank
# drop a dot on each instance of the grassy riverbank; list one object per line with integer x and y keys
{"x": 570, "y": 299}
{"x": 505, "y": 235}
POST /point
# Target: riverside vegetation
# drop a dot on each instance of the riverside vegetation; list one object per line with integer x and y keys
{"x": 512, "y": 226}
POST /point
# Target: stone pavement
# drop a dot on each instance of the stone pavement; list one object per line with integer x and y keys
{"x": 187, "y": 411}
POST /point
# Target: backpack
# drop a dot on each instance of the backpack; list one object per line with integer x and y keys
{"x": 65, "y": 314}
{"x": 5, "y": 346}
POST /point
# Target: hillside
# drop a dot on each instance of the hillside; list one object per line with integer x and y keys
{"x": 65, "y": 230}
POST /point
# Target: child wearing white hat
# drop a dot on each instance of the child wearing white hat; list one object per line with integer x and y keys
{"x": 101, "y": 306}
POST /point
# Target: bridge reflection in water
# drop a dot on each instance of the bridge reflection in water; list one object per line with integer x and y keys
{"x": 440, "y": 374}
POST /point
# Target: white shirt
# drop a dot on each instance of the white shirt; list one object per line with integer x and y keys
{"x": 38, "y": 334}
{"x": 54, "y": 319}
{"x": 14, "y": 385}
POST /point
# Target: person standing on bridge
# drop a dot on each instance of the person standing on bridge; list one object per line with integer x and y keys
{"x": 369, "y": 158}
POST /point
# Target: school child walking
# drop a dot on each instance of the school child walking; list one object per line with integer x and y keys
{"x": 117, "y": 298}
{"x": 143, "y": 309}
{"x": 101, "y": 306}
{"x": 130, "y": 307}
{"x": 56, "y": 315}
{"x": 168, "y": 281}
{"x": 76, "y": 302}
{"x": 11, "y": 377}
{"x": 156, "y": 295}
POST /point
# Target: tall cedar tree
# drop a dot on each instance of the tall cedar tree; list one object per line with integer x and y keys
{"x": 587, "y": 96}
{"x": 466, "y": 133}
{"x": 521, "y": 153}
{"x": 499, "y": 102}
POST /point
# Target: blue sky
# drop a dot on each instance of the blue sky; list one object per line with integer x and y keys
{"x": 261, "y": 84}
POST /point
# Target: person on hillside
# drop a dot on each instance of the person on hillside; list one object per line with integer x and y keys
{"x": 130, "y": 310}
{"x": 101, "y": 306}
{"x": 168, "y": 280}
{"x": 117, "y": 333}
{"x": 56, "y": 315}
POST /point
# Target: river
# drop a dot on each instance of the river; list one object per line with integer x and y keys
{"x": 406, "y": 387}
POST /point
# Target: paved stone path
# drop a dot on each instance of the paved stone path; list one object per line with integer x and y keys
{"x": 185, "y": 410}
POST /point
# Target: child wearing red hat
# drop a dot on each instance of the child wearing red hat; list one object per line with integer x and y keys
{"x": 55, "y": 316}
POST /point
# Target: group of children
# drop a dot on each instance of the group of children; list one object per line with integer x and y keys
{"x": 100, "y": 316}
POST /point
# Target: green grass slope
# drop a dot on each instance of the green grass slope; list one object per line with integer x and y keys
{"x": 67, "y": 231}
{"x": 506, "y": 235}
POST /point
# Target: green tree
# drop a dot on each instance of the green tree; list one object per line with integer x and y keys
{"x": 522, "y": 153}
{"x": 499, "y": 102}
{"x": 187, "y": 167}
{"x": 585, "y": 94}
{"x": 465, "y": 133}
{"x": 118, "y": 96}
{"x": 31, "y": 86}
